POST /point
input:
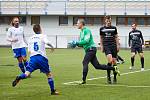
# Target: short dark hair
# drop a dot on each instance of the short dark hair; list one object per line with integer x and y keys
{"x": 134, "y": 24}
{"x": 37, "y": 28}
{"x": 81, "y": 20}
{"x": 107, "y": 17}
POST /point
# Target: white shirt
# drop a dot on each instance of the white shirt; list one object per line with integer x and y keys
{"x": 16, "y": 33}
{"x": 36, "y": 45}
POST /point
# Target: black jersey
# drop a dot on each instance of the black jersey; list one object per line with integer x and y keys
{"x": 135, "y": 38}
{"x": 108, "y": 35}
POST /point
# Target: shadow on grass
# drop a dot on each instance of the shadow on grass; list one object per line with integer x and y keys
{"x": 7, "y": 65}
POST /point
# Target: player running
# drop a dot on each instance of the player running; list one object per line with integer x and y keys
{"x": 38, "y": 58}
{"x": 110, "y": 45}
{"x": 15, "y": 36}
{"x": 86, "y": 41}
{"x": 136, "y": 42}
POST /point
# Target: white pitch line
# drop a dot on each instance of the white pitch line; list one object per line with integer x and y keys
{"x": 115, "y": 85}
{"x": 67, "y": 83}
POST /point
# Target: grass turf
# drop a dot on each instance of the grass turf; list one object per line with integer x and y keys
{"x": 66, "y": 65}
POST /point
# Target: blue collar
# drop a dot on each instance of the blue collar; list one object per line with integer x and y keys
{"x": 37, "y": 32}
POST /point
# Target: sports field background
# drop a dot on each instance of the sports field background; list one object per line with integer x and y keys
{"x": 66, "y": 65}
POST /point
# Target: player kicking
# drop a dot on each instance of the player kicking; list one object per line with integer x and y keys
{"x": 15, "y": 36}
{"x": 119, "y": 59}
{"x": 110, "y": 45}
{"x": 38, "y": 58}
{"x": 136, "y": 42}
{"x": 86, "y": 41}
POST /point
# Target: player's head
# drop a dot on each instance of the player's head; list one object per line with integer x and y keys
{"x": 80, "y": 23}
{"x": 15, "y": 21}
{"x": 37, "y": 29}
{"x": 133, "y": 25}
{"x": 107, "y": 20}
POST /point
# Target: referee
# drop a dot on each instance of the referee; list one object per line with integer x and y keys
{"x": 86, "y": 41}
{"x": 136, "y": 42}
{"x": 110, "y": 45}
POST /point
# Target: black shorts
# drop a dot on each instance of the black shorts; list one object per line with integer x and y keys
{"x": 137, "y": 49}
{"x": 111, "y": 50}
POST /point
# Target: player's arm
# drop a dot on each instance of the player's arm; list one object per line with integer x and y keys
{"x": 117, "y": 39}
{"x": 29, "y": 46}
{"x": 117, "y": 42}
{"x": 86, "y": 38}
{"x": 101, "y": 43}
{"x": 129, "y": 40}
{"x": 48, "y": 43}
{"x": 9, "y": 37}
{"x": 25, "y": 39}
{"x": 142, "y": 38}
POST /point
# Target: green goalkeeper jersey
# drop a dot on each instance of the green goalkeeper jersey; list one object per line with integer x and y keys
{"x": 86, "y": 39}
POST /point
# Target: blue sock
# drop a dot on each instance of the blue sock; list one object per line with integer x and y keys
{"x": 51, "y": 84}
{"x": 25, "y": 63}
{"x": 21, "y": 67}
{"x": 22, "y": 76}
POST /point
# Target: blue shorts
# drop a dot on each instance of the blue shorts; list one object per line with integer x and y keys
{"x": 20, "y": 52}
{"x": 38, "y": 62}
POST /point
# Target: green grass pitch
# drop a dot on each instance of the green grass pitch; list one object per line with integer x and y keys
{"x": 66, "y": 65}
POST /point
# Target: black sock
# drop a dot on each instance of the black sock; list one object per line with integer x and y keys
{"x": 142, "y": 62}
{"x": 120, "y": 58}
{"x": 109, "y": 71}
{"x": 132, "y": 61}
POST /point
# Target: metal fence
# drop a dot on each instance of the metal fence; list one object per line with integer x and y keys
{"x": 74, "y": 7}
{"x": 60, "y": 41}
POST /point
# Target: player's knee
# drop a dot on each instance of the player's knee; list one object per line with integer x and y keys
{"x": 142, "y": 56}
{"x": 24, "y": 59}
{"x": 110, "y": 61}
{"x": 133, "y": 55}
{"x": 49, "y": 75}
{"x": 113, "y": 61}
{"x": 84, "y": 63}
{"x": 27, "y": 73}
{"x": 19, "y": 59}
{"x": 109, "y": 58}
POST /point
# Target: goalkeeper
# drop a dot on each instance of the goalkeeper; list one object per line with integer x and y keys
{"x": 86, "y": 41}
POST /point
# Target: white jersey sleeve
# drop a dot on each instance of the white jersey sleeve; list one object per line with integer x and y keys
{"x": 9, "y": 35}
